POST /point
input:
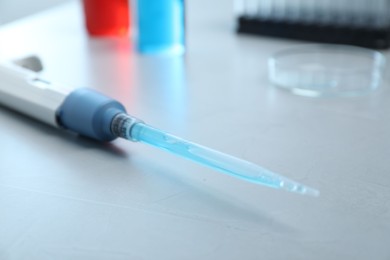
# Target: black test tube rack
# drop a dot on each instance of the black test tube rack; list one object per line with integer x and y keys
{"x": 364, "y": 23}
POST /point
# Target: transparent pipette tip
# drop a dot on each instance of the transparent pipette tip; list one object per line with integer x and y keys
{"x": 256, "y": 174}
{"x": 293, "y": 186}
{"x": 135, "y": 130}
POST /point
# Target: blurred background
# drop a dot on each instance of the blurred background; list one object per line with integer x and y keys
{"x": 11, "y": 10}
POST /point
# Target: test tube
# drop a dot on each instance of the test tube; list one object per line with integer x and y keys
{"x": 239, "y": 8}
{"x": 386, "y": 14}
{"x": 342, "y": 12}
{"x": 279, "y": 9}
{"x": 265, "y": 9}
{"x": 348, "y": 17}
{"x": 160, "y": 26}
{"x": 381, "y": 14}
{"x": 106, "y": 17}
{"x": 307, "y": 11}
{"x": 293, "y": 10}
{"x": 250, "y": 8}
{"x": 322, "y": 12}
{"x": 370, "y": 7}
{"x": 359, "y": 16}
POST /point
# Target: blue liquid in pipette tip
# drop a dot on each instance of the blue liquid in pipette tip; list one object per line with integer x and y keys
{"x": 216, "y": 160}
{"x": 161, "y": 26}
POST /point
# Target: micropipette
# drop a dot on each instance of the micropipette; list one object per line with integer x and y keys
{"x": 92, "y": 114}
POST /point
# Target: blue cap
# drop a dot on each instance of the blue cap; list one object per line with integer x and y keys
{"x": 89, "y": 113}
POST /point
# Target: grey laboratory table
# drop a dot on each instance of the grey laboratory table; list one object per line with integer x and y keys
{"x": 67, "y": 197}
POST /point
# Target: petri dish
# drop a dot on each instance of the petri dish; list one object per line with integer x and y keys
{"x": 327, "y": 70}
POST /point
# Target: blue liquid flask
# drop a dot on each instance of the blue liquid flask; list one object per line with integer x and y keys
{"x": 161, "y": 26}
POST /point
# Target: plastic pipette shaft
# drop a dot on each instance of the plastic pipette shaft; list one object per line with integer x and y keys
{"x": 129, "y": 128}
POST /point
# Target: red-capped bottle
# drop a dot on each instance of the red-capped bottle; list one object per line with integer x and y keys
{"x": 107, "y": 17}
